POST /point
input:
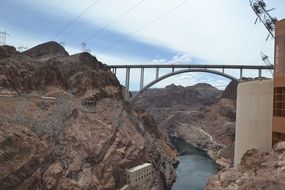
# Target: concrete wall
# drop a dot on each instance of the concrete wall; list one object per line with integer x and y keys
{"x": 140, "y": 177}
{"x": 254, "y": 117}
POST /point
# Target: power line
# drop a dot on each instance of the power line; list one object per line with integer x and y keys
{"x": 74, "y": 20}
{"x": 113, "y": 21}
{"x": 246, "y": 42}
{"x": 261, "y": 49}
{"x": 145, "y": 25}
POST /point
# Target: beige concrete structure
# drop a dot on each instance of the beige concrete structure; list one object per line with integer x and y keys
{"x": 140, "y": 177}
{"x": 253, "y": 117}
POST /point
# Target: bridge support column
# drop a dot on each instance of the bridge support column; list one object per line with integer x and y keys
{"x": 240, "y": 74}
{"x": 127, "y": 85}
{"x": 157, "y": 73}
{"x": 142, "y": 78}
{"x": 173, "y": 69}
{"x": 259, "y": 73}
{"x": 115, "y": 70}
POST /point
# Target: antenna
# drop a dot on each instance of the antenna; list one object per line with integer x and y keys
{"x": 3, "y": 36}
{"x": 259, "y": 7}
{"x": 266, "y": 60}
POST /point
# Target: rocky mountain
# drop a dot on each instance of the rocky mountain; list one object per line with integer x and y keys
{"x": 201, "y": 115}
{"x": 64, "y": 124}
{"x": 46, "y": 50}
{"x": 257, "y": 171}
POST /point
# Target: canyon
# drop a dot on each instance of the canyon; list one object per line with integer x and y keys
{"x": 65, "y": 125}
{"x": 201, "y": 115}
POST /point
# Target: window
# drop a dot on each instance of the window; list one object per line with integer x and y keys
{"x": 277, "y": 137}
{"x": 279, "y": 102}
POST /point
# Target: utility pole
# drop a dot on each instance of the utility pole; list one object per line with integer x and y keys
{"x": 3, "y": 36}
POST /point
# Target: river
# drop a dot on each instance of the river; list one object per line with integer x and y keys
{"x": 194, "y": 169}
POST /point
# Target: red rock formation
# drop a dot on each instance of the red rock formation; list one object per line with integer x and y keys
{"x": 52, "y": 137}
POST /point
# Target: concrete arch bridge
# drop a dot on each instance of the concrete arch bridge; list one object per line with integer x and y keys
{"x": 179, "y": 69}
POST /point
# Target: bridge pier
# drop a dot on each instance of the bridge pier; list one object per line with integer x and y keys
{"x": 157, "y": 73}
{"x": 114, "y": 70}
{"x": 142, "y": 78}
{"x": 240, "y": 74}
{"x": 127, "y": 84}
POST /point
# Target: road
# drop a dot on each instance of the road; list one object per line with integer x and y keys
{"x": 203, "y": 131}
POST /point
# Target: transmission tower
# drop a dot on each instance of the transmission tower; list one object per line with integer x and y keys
{"x": 83, "y": 48}
{"x": 266, "y": 60}
{"x": 3, "y": 36}
{"x": 262, "y": 13}
{"x": 22, "y": 48}
{"x": 62, "y": 43}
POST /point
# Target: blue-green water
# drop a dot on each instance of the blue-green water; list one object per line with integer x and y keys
{"x": 193, "y": 172}
{"x": 194, "y": 169}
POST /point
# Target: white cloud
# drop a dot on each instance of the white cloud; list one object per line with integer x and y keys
{"x": 177, "y": 59}
{"x": 220, "y": 31}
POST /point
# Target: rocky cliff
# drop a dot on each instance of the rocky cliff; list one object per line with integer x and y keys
{"x": 201, "y": 115}
{"x": 64, "y": 124}
{"x": 257, "y": 171}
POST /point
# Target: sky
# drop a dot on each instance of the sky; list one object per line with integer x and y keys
{"x": 146, "y": 32}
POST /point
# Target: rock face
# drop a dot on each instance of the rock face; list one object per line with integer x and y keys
{"x": 230, "y": 91}
{"x": 48, "y": 50}
{"x": 64, "y": 125}
{"x": 257, "y": 171}
{"x": 201, "y": 115}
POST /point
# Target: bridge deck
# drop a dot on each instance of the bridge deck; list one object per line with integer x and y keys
{"x": 263, "y": 67}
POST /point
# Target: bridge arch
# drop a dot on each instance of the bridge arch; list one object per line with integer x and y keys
{"x": 177, "y": 73}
